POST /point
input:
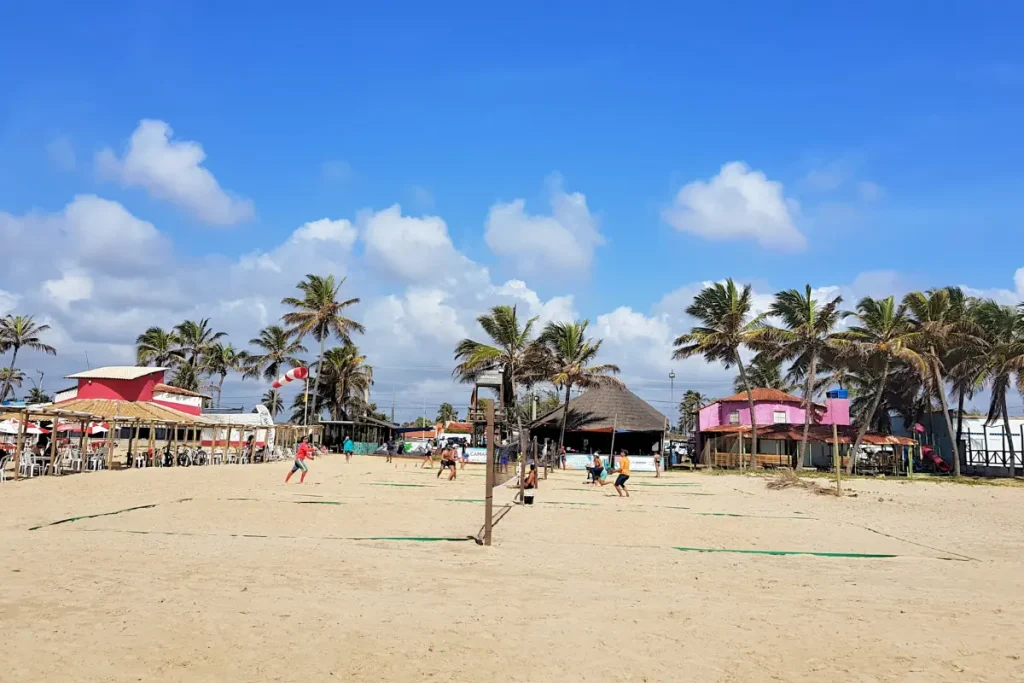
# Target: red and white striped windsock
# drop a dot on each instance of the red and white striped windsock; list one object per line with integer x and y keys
{"x": 291, "y": 376}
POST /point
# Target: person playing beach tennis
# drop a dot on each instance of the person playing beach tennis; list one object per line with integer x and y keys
{"x": 304, "y": 452}
{"x": 620, "y": 481}
{"x": 347, "y": 448}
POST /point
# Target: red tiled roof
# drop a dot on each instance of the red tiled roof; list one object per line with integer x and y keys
{"x": 765, "y": 395}
{"x": 168, "y": 389}
{"x": 459, "y": 428}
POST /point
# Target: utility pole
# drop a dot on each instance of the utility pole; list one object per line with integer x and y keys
{"x": 392, "y": 404}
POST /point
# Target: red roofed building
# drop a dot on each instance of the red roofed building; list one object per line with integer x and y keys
{"x": 132, "y": 383}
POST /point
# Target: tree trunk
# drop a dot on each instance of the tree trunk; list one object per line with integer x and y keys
{"x": 866, "y": 422}
{"x": 314, "y": 415}
{"x": 753, "y": 417}
{"x": 960, "y": 428}
{"x": 220, "y": 389}
{"x": 808, "y": 408}
{"x": 10, "y": 375}
{"x": 1009, "y": 437}
{"x": 565, "y": 418}
{"x": 940, "y": 386}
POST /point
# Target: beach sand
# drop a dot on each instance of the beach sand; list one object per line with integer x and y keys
{"x": 231, "y": 575}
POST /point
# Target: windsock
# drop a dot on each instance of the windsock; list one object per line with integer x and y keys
{"x": 291, "y": 376}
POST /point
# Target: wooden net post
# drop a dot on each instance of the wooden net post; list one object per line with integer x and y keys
{"x": 489, "y": 493}
{"x": 53, "y": 447}
{"x": 110, "y": 445}
{"x": 82, "y": 455}
{"x": 20, "y": 445}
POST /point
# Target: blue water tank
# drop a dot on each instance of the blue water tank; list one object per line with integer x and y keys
{"x": 837, "y": 393}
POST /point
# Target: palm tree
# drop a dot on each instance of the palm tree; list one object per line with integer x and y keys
{"x": 572, "y": 355}
{"x": 806, "y": 338}
{"x": 222, "y": 359}
{"x": 346, "y": 382}
{"x": 156, "y": 346}
{"x": 319, "y": 313}
{"x": 17, "y": 332}
{"x": 447, "y": 413}
{"x": 273, "y": 402}
{"x": 37, "y": 395}
{"x": 194, "y": 339}
{"x": 186, "y": 376}
{"x": 764, "y": 371}
{"x": 726, "y": 327}
{"x": 277, "y": 349}
{"x": 883, "y": 336}
{"x": 12, "y": 376}
{"x": 691, "y": 404}
{"x": 510, "y": 348}
{"x": 940, "y": 320}
{"x": 1003, "y": 340}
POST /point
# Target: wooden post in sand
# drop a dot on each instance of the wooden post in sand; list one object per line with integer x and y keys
{"x": 53, "y": 446}
{"x": 110, "y": 445}
{"x": 152, "y": 441}
{"x": 20, "y": 445}
{"x": 537, "y": 485}
{"x": 134, "y": 443}
{"x": 836, "y": 460}
{"x": 489, "y": 493}
{"x": 82, "y": 455}
{"x": 172, "y": 444}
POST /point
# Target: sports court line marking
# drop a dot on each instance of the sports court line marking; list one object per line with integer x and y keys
{"x": 416, "y": 539}
{"x": 388, "y": 483}
{"x": 315, "y": 502}
{"x": 783, "y": 552}
{"x": 920, "y": 545}
{"x": 641, "y": 483}
{"x": 102, "y": 514}
{"x": 735, "y": 514}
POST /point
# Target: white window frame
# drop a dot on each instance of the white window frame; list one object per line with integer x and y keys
{"x": 734, "y": 417}
{"x": 776, "y": 420}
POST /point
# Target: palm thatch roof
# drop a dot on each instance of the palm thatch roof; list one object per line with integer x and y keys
{"x": 603, "y": 408}
{"x": 129, "y": 410}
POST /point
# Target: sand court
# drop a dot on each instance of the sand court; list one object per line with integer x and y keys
{"x": 225, "y": 573}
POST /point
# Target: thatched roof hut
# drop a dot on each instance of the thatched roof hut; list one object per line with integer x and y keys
{"x": 594, "y": 414}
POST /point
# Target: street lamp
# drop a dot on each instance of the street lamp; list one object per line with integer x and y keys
{"x": 672, "y": 381}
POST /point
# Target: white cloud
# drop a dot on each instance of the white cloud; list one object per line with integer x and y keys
{"x": 68, "y": 289}
{"x": 325, "y": 230}
{"x": 8, "y": 301}
{"x": 562, "y": 242}
{"x": 738, "y": 203}
{"x": 173, "y": 171}
{"x": 556, "y": 309}
{"x": 61, "y": 153}
{"x": 412, "y": 248}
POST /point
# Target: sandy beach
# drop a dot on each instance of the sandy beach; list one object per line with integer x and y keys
{"x": 225, "y": 573}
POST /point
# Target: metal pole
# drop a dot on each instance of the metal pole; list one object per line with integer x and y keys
{"x": 305, "y": 406}
{"x": 836, "y": 460}
{"x": 489, "y": 492}
{"x": 611, "y": 454}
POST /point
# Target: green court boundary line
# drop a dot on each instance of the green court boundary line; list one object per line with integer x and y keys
{"x": 389, "y": 483}
{"x": 315, "y": 502}
{"x": 414, "y": 539}
{"x": 643, "y": 483}
{"x": 736, "y": 514}
{"x": 784, "y": 552}
{"x": 561, "y": 502}
{"x": 464, "y": 500}
{"x": 102, "y": 514}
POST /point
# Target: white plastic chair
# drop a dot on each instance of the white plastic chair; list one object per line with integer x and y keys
{"x": 3, "y": 467}
{"x": 139, "y": 460}
{"x": 29, "y": 467}
{"x": 72, "y": 459}
{"x": 97, "y": 461}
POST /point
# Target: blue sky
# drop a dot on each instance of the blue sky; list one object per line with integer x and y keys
{"x": 880, "y": 149}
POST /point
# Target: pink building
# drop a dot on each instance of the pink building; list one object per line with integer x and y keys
{"x": 725, "y": 426}
{"x": 129, "y": 383}
{"x": 772, "y": 406}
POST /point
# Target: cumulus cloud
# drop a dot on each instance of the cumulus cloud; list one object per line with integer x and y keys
{"x": 69, "y": 288}
{"x": 738, "y": 203}
{"x": 563, "y": 241}
{"x": 172, "y": 170}
{"x": 411, "y": 248}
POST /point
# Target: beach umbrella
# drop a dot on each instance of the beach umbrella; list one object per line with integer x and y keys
{"x": 92, "y": 429}
{"x": 13, "y": 426}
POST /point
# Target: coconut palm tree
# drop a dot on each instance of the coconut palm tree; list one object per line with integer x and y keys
{"x": 12, "y": 376}
{"x": 941, "y": 321}
{"x": 806, "y": 338}
{"x": 320, "y": 314}
{"x": 1003, "y": 340}
{"x": 884, "y": 336}
{"x": 17, "y": 332}
{"x": 691, "y": 404}
{"x": 223, "y": 359}
{"x": 195, "y": 338}
{"x": 276, "y": 350}
{"x": 37, "y": 395}
{"x": 764, "y": 371}
{"x": 572, "y": 356}
{"x": 727, "y": 326}
{"x": 447, "y": 413}
{"x": 345, "y": 381}
{"x": 186, "y": 376}
{"x": 273, "y": 402}
{"x": 509, "y": 351}
{"x": 156, "y": 346}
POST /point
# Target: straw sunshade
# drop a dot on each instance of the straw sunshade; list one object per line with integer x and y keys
{"x": 129, "y": 410}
